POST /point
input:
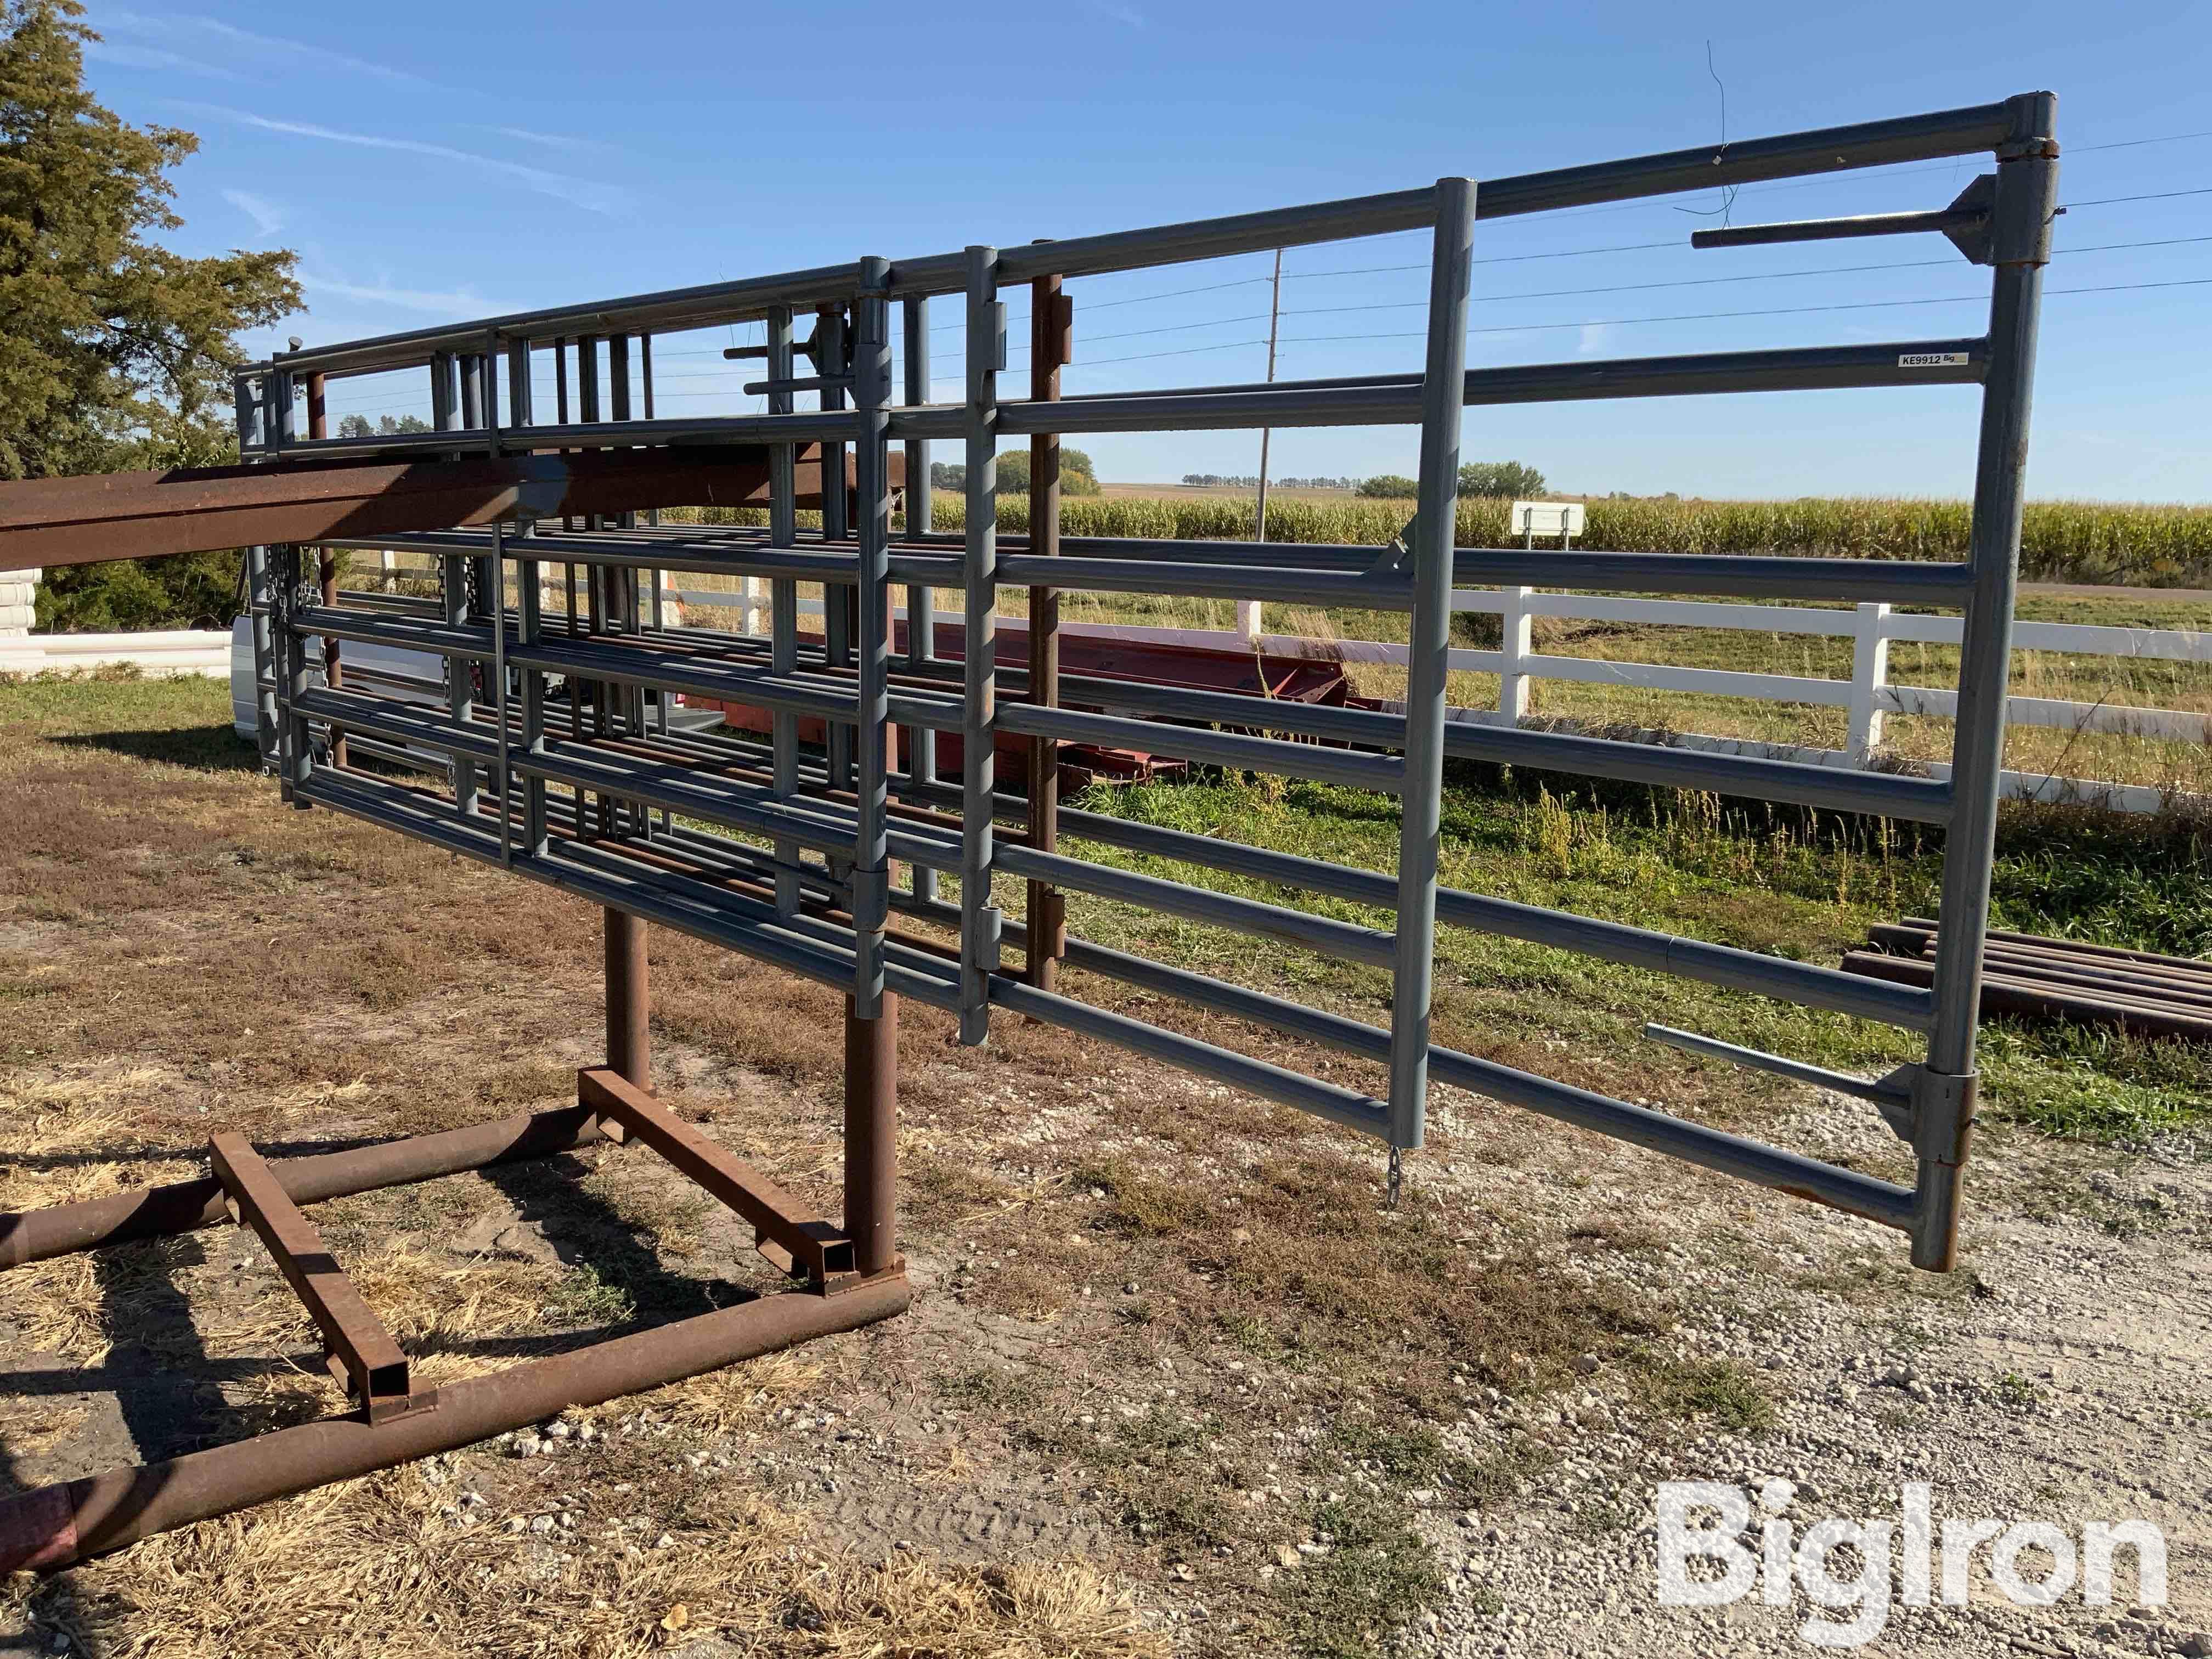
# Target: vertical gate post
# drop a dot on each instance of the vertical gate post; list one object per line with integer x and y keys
{"x": 1428, "y": 654}
{"x": 979, "y": 918}
{"x": 2020, "y": 226}
{"x": 1050, "y": 325}
{"x": 921, "y": 601}
{"x": 872, "y": 746}
{"x": 1869, "y": 676}
{"x": 326, "y": 561}
{"x": 783, "y": 602}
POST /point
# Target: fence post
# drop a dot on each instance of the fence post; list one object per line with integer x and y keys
{"x": 1870, "y": 676}
{"x": 1515, "y": 640}
{"x": 1248, "y": 620}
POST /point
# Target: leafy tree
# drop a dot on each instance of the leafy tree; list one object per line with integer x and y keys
{"x": 115, "y": 352}
{"x": 1393, "y": 485}
{"x": 1512, "y": 480}
{"x": 947, "y": 475}
{"x": 1077, "y": 477}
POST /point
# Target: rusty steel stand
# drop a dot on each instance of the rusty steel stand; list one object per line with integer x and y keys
{"x": 629, "y": 1050}
{"x": 871, "y": 1136}
{"x": 847, "y": 1277}
{"x": 1052, "y": 325}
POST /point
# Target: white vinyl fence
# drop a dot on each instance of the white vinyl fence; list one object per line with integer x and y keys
{"x": 181, "y": 651}
{"x": 1870, "y": 696}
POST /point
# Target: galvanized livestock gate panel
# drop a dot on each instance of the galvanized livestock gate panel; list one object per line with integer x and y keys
{"x": 565, "y": 768}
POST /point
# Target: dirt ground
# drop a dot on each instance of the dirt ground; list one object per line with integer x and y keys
{"x": 1176, "y": 1380}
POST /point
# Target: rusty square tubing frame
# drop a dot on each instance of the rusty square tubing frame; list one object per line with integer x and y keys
{"x": 625, "y": 1113}
{"x": 375, "y": 1370}
{"x": 52, "y": 1526}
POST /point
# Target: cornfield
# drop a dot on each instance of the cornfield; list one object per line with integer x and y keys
{"x": 2094, "y": 541}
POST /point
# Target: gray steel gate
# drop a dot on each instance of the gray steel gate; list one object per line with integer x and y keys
{"x": 595, "y": 792}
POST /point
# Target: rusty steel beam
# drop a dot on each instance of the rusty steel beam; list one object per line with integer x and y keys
{"x": 810, "y": 1244}
{"x": 185, "y": 1206}
{"x": 2041, "y": 998}
{"x": 375, "y": 1370}
{"x": 51, "y": 522}
{"x": 52, "y": 1526}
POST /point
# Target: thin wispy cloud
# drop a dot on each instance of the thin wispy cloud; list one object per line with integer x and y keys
{"x": 455, "y": 302}
{"x": 189, "y": 26}
{"x": 156, "y": 57}
{"x": 1593, "y": 339}
{"x": 268, "y": 218}
{"x": 551, "y": 140}
{"x": 1129, "y": 16}
{"x": 585, "y": 193}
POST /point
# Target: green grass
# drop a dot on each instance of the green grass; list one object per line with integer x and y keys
{"x": 1376, "y": 1574}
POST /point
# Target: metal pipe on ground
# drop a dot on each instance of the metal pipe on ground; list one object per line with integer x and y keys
{"x": 52, "y": 1527}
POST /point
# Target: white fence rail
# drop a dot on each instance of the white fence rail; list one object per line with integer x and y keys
{"x": 181, "y": 651}
{"x": 1870, "y": 696}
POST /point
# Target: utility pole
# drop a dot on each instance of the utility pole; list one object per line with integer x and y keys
{"x": 1275, "y": 315}
{"x": 1247, "y": 611}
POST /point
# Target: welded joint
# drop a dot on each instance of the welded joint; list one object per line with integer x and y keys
{"x": 975, "y": 995}
{"x": 1941, "y": 1120}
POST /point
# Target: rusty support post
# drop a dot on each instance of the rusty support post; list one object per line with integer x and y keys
{"x": 871, "y": 1136}
{"x": 1050, "y": 328}
{"x": 50, "y": 1527}
{"x": 629, "y": 996}
{"x": 327, "y": 563}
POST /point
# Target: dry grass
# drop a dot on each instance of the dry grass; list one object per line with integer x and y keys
{"x": 377, "y": 1567}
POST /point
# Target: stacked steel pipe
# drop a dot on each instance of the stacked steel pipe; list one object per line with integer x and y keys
{"x": 2027, "y": 974}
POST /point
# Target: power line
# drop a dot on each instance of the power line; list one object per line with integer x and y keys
{"x": 1626, "y": 287}
{"x": 1622, "y": 322}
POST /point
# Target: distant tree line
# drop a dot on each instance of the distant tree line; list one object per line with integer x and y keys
{"x": 358, "y": 426}
{"x": 1505, "y": 480}
{"x": 1251, "y": 480}
{"x": 1077, "y": 476}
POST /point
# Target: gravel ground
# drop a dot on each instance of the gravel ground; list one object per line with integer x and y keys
{"x": 2064, "y": 1375}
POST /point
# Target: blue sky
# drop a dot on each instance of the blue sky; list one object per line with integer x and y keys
{"x": 431, "y": 163}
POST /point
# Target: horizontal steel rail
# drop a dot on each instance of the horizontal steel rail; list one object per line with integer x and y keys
{"x": 703, "y": 910}
{"x": 1324, "y": 1100}
{"x": 1865, "y": 144}
{"x": 1713, "y": 1149}
{"x": 1805, "y": 983}
{"x": 1346, "y": 940}
{"x": 1350, "y": 767}
{"x": 1882, "y": 794}
{"x": 826, "y": 426}
{"x": 1398, "y": 402}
